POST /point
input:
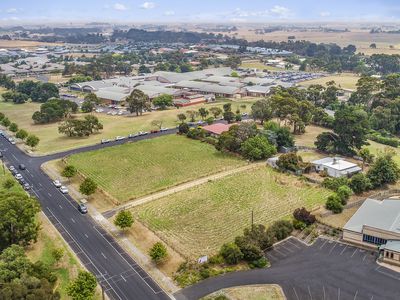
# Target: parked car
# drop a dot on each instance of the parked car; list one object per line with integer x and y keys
{"x": 22, "y": 181}
{"x": 11, "y": 168}
{"x": 82, "y": 208}
{"x": 1, "y": 154}
{"x": 105, "y": 141}
{"x": 14, "y": 172}
{"x": 22, "y": 167}
{"x": 133, "y": 135}
{"x": 244, "y": 114}
{"x": 57, "y": 183}
{"x": 109, "y": 112}
{"x": 164, "y": 129}
{"x": 11, "y": 140}
{"x": 119, "y": 138}
{"x": 64, "y": 189}
{"x": 26, "y": 186}
{"x": 154, "y": 131}
{"x": 143, "y": 133}
{"x": 120, "y": 113}
{"x": 18, "y": 176}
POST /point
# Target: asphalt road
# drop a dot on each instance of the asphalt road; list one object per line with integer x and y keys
{"x": 120, "y": 276}
{"x": 326, "y": 270}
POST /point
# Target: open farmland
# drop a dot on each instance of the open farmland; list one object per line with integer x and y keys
{"x": 133, "y": 170}
{"x": 199, "y": 220}
{"x": 344, "y": 80}
{"x": 52, "y": 141}
{"x": 377, "y": 148}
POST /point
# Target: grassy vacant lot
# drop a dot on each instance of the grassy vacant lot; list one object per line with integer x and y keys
{"x": 259, "y": 65}
{"x": 344, "y": 80}
{"x": 51, "y": 141}
{"x": 250, "y": 292}
{"x": 308, "y": 138}
{"x": 199, "y": 220}
{"x": 133, "y": 170}
{"x": 377, "y": 148}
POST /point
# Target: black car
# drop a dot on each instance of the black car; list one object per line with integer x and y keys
{"x": 82, "y": 208}
{"x": 22, "y": 167}
{"x": 1, "y": 154}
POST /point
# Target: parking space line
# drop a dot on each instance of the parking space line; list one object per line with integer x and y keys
{"x": 364, "y": 257}
{"x": 343, "y": 250}
{"x": 354, "y": 252}
{"x": 274, "y": 257}
{"x": 338, "y": 295}
{"x": 294, "y": 290}
{"x": 323, "y": 289}
{"x": 281, "y": 253}
{"x": 323, "y": 244}
{"x": 294, "y": 244}
{"x": 291, "y": 251}
{"x": 332, "y": 248}
{"x": 355, "y": 296}
{"x": 309, "y": 291}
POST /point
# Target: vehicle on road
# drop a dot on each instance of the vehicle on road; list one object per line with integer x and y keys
{"x": 11, "y": 168}
{"x": 26, "y": 186}
{"x": 105, "y": 141}
{"x": 119, "y": 138}
{"x": 64, "y": 189}
{"x": 57, "y": 183}
{"x": 133, "y": 135}
{"x": 154, "y": 131}
{"x": 82, "y": 208}
{"x": 22, "y": 167}
{"x": 18, "y": 176}
{"x": 141, "y": 133}
{"x": 11, "y": 140}
{"x": 164, "y": 129}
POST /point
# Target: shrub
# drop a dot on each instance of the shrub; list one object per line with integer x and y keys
{"x": 359, "y": 183}
{"x": 69, "y": 171}
{"x": 303, "y": 215}
{"x": 195, "y": 133}
{"x": 183, "y": 128}
{"x": 376, "y": 137}
{"x": 210, "y": 120}
{"x": 231, "y": 253}
{"x": 334, "y": 183}
{"x": 2, "y": 116}
{"x": 281, "y": 229}
{"x": 251, "y": 251}
{"x": 299, "y": 225}
{"x": 384, "y": 170}
{"x": 344, "y": 193}
{"x": 5, "y": 122}
{"x": 259, "y": 263}
{"x": 205, "y": 273}
{"x": 8, "y": 184}
{"x": 124, "y": 219}
{"x": 334, "y": 203}
{"x": 21, "y": 134}
{"x": 13, "y": 127}
{"x": 158, "y": 252}
{"x": 256, "y": 148}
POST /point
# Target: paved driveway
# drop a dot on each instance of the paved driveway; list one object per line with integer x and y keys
{"x": 325, "y": 270}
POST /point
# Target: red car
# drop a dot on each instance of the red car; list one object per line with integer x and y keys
{"x": 154, "y": 131}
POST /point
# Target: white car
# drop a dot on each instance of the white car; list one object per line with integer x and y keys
{"x": 120, "y": 113}
{"x": 109, "y": 112}
{"x": 64, "y": 189}
{"x": 57, "y": 183}
{"x": 119, "y": 138}
{"x": 164, "y": 129}
{"x": 12, "y": 141}
{"x": 133, "y": 135}
{"x": 105, "y": 141}
{"x": 12, "y": 168}
{"x": 114, "y": 113}
{"x": 18, "y": 176}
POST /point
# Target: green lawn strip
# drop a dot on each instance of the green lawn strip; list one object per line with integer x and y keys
{"x": 199, "y": 220}
{"x": 133, "y": 170}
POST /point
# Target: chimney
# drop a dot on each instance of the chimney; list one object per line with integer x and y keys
{"x": 334, "y": 161}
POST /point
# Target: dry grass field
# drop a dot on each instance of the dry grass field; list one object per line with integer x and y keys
{"x": 51, "y": 141}
{"x": 24, "y": 44}
{"x": 308, "y": 138}
{"x": 344, "y": 80}
{"x": 133, "y": 170}
{"x": 198, "y": 221}
{"x": 259, "y": 65}
{"x": 250, "y": 292}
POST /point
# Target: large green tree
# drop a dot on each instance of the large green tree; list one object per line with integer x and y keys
{"x": 83, "y": 287}
{"x": 138, "y": 102}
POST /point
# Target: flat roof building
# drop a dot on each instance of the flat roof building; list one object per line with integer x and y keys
{"x": 336, "y": 166}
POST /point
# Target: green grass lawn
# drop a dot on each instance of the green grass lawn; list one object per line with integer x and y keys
{"x": 199, "y": 220}
{"x": 133, "y": 170}
{"x": 377, "y": 148}
{"x": 344, "y": 80}
{"x": 52, "y": 141}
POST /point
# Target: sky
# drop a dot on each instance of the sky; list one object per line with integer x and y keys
{"x": 196, "y": 11}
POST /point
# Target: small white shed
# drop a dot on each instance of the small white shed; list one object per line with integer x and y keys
{"x": 336, "y": 166}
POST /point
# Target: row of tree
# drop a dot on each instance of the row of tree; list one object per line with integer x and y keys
{"x": 30, "y": 139}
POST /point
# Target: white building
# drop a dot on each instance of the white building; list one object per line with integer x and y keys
{"x": 336, "y": 166}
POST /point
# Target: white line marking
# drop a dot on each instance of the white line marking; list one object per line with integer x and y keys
{"x": 73, "y": 220}
{"x": 332, "y": 248}
{"x": 103, "y": 255}
{"x": 355, "y": 296}
{"x": 123, "y": 277}
{"x": 27, "y": 170}
{"x": 354, "y": 252}
{"x": 343, "y": 250}
{"x": 309, "y": 291}
{"x": 323, "y": 289}
{"x": 40, "y": 184}
{"x": 338, "y": 295}
{"x": 281, "y": 253}
{"x": 86, "y": 236}
{"x": 294, "y": 290}
{"x": 323, "y": 244}
{"x": 364, "y": 257}
{"x": 294, "y": 244}
{"x": 60, "y": 206}
{"x": 14, "y": 156}
{"x": 290, "y": 250}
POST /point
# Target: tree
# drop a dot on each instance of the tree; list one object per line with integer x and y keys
{"x": 281, "y": 229}
{"x": 83, "y": 287}
{"x": 88, "y": 187}
{"x": 163, "y": 101}
{"x": 87, "y": 106}
{"x": 18, "y": 224}
{"x": 157, "y": 123}
{"x": 44, "y": 92}
{"x": 256, "y": 148}
{"x": 262, "y": 111}
{"x": 359, "y": 183}
{"x": 384, "y": 170}
{"x": 215, "y": 111}
{"x": 57, "y": 254}
{"x": 158, "y": 252}
{"x": 366, "y": 156}
{"x": 203, "y": 113}
{"x": 192, "y": 115}
{"x": 303, "y": 215}
{"x": 183, "y": 128}
{"x": 181, "y": 117}
{"x": 5, "y": 122}
{"x": 138, "y": 102}
{"x": 229, "y": 116}
{"x": 91, "y": 97}
{"x": 69, "y": 171}
{"x": 372, "y": 46}
{"x": 143, "y": 69}
{"x": 21, "y": 134}
{"x": 334, "y": 203}
{"x": 32, "y": 141}
{"x": 344, "y": 192}
{"x": 13, "y": 263}
{"x": 54, "y": 110}
{"x": 13, "y": 127}
{"x": 27, "y": 86}
{"x": 231, "y": 253}
{"x": 124, "y": 219}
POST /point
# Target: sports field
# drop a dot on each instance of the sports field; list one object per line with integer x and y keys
{"x": 344, "y": 80}
{"x": 133, "y": 170}
{"x": 51, "y": 141}
{"x": 198, "y": 221}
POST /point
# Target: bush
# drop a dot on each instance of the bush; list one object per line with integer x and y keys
{"x": 69, "y": 171}
{"x": 183, "y": 128}
{"x": 303, "y": 215}
{"x": 2, "y": 116}
{"x": 8, "y": 184}
{"x": 376, "y": 137}
{"x": 299, "y": 225}
{"x": 13, "y": 127}
{"x": 334, "y": 183}
{"x": 344, "y": 193}
{"x": 124, "y": 219}
{"x": 359, "y": 183}
{"x": 334, "y": 203}
{"x": 195, "y": 133}
{"x": 5, "y": 122}
{"x": 210, "y": 120}
{"x": 205, "y": 273}
{"x": 158, "y": 252}
{"x": 384, "y": 170}
{"x": 256, "y": 148}
{"x": 251, "y": 251}
{"x": 231, "y": 253}
{"x": 281, "y": 229}
{"x": 259, "y": 263}
{"x": 21, "y": 134}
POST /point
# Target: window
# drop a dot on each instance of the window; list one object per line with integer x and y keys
{"x": 373, "y": 240}
{"x": 391, "y": 255}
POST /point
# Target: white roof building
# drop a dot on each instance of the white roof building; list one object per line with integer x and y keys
{"x": 336, "y": 166}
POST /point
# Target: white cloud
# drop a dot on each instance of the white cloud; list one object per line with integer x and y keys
{"x": 11, "y": 19}
{"x": 276, "y": 12}
{"x": 119, "y": 6}
{"x": 169, "y": 13}
{"x": 324, "y": 13}
{"x": 281, "y": 11}
{"x": 148, "y": 5}
{"x": 12, "y": 10}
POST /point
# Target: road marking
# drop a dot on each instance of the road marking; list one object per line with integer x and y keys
{"x": 49, "y": 194}
{"x": 86, "y": 236}
{"x": 323, "y": 244}
{"x": 27, "y": 170}
{"x": 294, "y": 290}
{"x": 364, "y": 257}
{"x": 287, "y": 248}
{"x": 338, "y": 295}
{"x": 332, "y": 248}
{"x": 323, "y": 289}
{"x": 40, "y": 184}
{"x": 14, "y": 156}
{"x": 60, "y": 206}
{"x": 73, "y": 220}
{"x": 103, "y": 255}
{"x": 309, "y": 291}
{"x": 123, "y": 277}
{"x": 32, "y": 175}
{"x": 355, "y": 296}
{"x": 294, "y": 244}
{"x": 343, "y": 250}
{"x": 372, "y": 297}
{"x": 354, "y": 252}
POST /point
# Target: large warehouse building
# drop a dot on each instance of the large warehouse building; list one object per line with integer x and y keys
{"x": 376, "y": 224}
